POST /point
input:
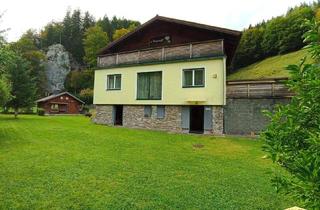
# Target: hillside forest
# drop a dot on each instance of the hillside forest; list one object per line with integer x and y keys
{"x": 62, "y": 55}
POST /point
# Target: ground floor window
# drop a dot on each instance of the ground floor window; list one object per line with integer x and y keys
{"x": 160, "y": 112}
{"x": 147, "y": 111}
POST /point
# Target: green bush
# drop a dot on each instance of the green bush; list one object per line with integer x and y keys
{"x": 41, "y": 112}
{"x": 293, "y": 137}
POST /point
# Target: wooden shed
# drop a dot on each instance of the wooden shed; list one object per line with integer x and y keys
{"x": 62, "y": 103}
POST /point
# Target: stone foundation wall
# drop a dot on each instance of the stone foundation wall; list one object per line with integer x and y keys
{"x": 103, "y": 115}
{"x": 217, "y": 120}
{"x": 133, "y": 117}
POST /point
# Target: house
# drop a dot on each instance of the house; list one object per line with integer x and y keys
{"x": 168, "y": 74}
{"x": 62, "y": 103}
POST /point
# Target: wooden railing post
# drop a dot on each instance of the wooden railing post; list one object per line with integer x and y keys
{"x": 162, "y": 54}
{"x": 272, "y": 90}
{"x": 190, "y": 50}
{"x": 117, "y": 58}
{"x": 248, "y": 90}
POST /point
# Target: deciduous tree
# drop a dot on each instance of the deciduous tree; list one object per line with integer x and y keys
{"x": 95, "y": 39}
{"x": 23, "y": 86}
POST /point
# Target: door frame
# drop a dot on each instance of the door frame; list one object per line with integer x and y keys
{"x": 118, "y": 112}
{"x": 191, "y": 120}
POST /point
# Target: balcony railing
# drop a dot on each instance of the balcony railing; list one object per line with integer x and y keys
{"x": 264, "y": 88}
{"x": 167, "y": 53}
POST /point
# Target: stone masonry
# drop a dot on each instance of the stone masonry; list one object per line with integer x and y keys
{"x": 217, "y": 120}
{"x": 103, "y": 115}
{"x": 133, "y": 117}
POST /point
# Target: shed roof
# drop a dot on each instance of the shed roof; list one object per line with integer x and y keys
{"x": 57, "y": 95}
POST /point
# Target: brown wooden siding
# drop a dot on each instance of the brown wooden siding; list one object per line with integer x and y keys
{"x": 72, "y": 106}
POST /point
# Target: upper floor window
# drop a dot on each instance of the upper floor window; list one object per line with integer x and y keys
{"x": 193, "y": 77}
{"x": 149, "y": 86}
{"x": 114, "y": 82}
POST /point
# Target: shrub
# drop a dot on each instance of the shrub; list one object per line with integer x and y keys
{"x": 86, "y": 95}
{"x": 293, "y": 137}
{"x": 41, "y": 112}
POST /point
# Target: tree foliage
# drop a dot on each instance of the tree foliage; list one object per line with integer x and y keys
{"x": 293, "y": 137}
{"x": 86, "y": 95}
{"x": 5, "y": 89}
{"x": 6, "y": 59}
{"x": 110, "y": 26}
{"x": 95, "y": 39}
{"x": 28, "y": 47}
{"x": 279, "y": 35}
{"x": 79, "y": 80}
{"x": 23, "y": 86}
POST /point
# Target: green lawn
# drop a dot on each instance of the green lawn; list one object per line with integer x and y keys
{"x": 273, "y": 67}
{"x": 70, "y": 163}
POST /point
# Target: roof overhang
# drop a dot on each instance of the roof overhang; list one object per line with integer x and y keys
{"x": 236, "y": 34}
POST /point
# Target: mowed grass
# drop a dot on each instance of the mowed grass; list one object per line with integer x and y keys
{"x": 70, "y": 163}
{"x": 273, "y": 67}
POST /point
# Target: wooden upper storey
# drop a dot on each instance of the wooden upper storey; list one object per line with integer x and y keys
{"x": 162, "y": 39}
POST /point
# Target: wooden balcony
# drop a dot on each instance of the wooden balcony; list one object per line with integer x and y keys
{"x": 166, "y": 53}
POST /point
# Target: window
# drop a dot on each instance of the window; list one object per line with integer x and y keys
{"x": 149, "y": 86}
{"x": 193, "y": 77}
{"x": 114, "y": 82}
{"x": 55, "y": 107}
{"x": 147, "y": 111}
{"x": 160, "y": 112}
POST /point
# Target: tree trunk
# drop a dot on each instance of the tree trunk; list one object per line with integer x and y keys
{"x": 16, "y": 113}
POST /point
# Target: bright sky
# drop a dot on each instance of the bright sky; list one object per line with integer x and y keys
{"x": 21, "y": 15}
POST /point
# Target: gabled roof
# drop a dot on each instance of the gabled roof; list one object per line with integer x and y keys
{"x": 171, "y": 20}
{"x": 57, "y": 95}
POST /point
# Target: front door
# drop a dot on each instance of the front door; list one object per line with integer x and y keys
{"x": 196, "y": 119}
{"x": 118, "y": 115}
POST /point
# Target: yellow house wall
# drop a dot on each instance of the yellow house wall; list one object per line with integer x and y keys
{"x": 172, "y": 91}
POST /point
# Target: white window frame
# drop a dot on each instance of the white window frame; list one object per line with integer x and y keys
{"x": 114, "y": 82}
{"x": 193, "y": 77}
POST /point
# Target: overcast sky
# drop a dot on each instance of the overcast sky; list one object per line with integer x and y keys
{"x": 235, "y": 14}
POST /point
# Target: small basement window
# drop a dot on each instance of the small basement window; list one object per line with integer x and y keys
{"x": 160, "y": 112}
{"x": 193, "y": 77}
{"x": 147, "y": 111}
{"x": 114, "y": 82}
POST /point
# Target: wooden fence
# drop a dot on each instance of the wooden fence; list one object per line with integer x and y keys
{"x": 186, "y": 51}
{"x": 267, "y": 88}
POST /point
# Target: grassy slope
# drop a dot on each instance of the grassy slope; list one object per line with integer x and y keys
{"x": 273, "y": 67}
{"x": 70, "y": 163}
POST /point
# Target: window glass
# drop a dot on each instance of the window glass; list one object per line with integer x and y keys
{"x": 198, "y": 77}
{"x": 118, "y": 82}
{"x": 147, "y": 111}
{"x": 160, "y": 112}
{"x": 193, "y": 77}
{"x": 114, "y": 82}
{"x": 188, "y": 78}
{"x": 149, "y": 86}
